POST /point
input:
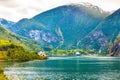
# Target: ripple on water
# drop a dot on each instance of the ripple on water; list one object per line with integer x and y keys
{"x": 67, "y": 68}
{"x": 66, "y": 76}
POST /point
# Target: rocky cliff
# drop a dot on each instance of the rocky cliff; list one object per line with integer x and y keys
{"x": 115, "y": 51}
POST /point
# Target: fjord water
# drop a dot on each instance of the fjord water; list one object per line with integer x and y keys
{"x": 67, "y": 68}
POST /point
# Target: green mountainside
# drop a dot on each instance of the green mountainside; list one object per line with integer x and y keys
{"x": 28, "y": 44}
{"x": 104, "y": 34}
{"x": 62, "y": 27}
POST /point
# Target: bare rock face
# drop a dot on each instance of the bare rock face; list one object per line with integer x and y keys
{"x": 115, "y": 50}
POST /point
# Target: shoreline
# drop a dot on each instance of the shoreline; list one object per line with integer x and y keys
{"x": 11, "y": 60}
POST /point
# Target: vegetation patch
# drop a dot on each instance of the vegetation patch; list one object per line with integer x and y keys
{"x": 2, "y": 76}
{"x": 15, "y": 52}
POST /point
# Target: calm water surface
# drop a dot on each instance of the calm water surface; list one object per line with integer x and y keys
{"x": 67, "y": 68}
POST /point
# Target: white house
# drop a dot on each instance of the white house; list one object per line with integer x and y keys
{"x": 42, "y": 53}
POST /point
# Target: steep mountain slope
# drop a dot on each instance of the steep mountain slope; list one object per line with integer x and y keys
{"x": 6, "y": 23}
{"x": 105, "y": 33}
{"x": 29, "y": 45}
{"x": 62, "y": 27}
{"x": 114, "y": 50}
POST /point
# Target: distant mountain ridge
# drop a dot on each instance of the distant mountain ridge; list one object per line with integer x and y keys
{"x": 6, "y": 23}
{"x": 61, "y": 27}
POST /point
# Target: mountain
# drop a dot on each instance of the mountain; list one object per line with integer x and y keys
{"x": 61, "y": 27}
{"x": 28, "y": 44}
{"x": 6, "y": 23}
{"x": 104, "y": 34}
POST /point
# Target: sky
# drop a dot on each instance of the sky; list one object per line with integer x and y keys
{"x": 15, "y": 10}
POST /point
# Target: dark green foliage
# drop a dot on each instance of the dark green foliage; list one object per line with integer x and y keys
{"x": 20, "y": 54}
{"x": 1, "y": 70}
{"x": 15, "y": 52}
{"x": 2, "y": 75}
{"x": 6, "y": 47}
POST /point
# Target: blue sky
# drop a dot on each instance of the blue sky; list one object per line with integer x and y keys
{"x": 17, "y": 9}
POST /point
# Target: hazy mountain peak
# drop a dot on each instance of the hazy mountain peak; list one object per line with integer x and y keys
{"x": 82, "y": 3}
{"x": 6, "y": 23}
{"x": 92, "y": 9}
{"x": 88, "y": 5}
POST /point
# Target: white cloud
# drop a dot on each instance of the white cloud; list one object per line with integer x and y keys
{"x": 17, "y": 9}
